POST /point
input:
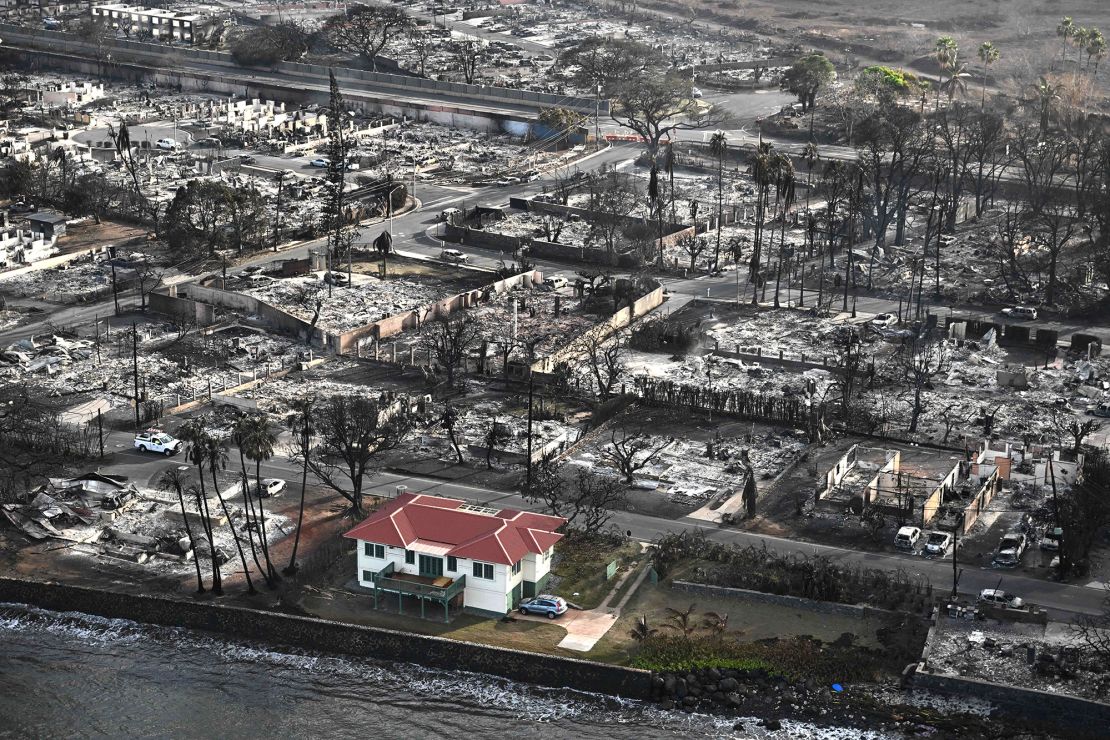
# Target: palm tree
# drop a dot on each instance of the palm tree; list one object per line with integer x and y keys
{"x": 718, "y": 146}
{"x": 257, "y": 441}
{"x": 1046, "y": 93}
{"x": 215, "y": 455}
{"x": 301, "y": 426}
{"x": 238, "y": 431}
{"x": 716, "y": 623}
{"x": 783, "y": 174}
{"x": 1065, "y": 30}
{"x": 1080, "y": 38}
{"x": 759, "y": 166}
{"x": 811, "y": 156}
{"x": 194, "y": 435}
{"x": 174, "y": 479}
{"x": 1096, "y": 47}
{"x": 988, "y": 55}
{"x": 947, "y": 53}
{"x": 668, "y": 164}
{"x": 682, "y": 621}
{"x": 641, "y": 631}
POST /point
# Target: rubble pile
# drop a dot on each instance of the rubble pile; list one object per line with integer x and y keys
{"x": 367, "y": 300}
{"x": 694, "y": 466}
{"x": 727, "y": 373}
{"x": 171, "y": 369}
{"x": 508, "y": 421}
{"x": 1041, "y": 657}
{"x": 108, "y": 517}
{"x": 531, "y": 322}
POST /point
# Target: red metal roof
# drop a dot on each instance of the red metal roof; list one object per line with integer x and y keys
{"x": 503, "y": 537}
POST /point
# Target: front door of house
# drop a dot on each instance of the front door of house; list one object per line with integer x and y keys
{"x": 431, "y": 567}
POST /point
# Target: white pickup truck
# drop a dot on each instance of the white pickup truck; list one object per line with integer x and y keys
{"x": 155, "y": 441}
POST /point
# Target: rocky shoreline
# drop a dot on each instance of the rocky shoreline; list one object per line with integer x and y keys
{"x": 758, "y": 693}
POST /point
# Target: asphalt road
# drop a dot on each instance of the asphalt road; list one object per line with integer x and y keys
{"x": 1063, "y": 601}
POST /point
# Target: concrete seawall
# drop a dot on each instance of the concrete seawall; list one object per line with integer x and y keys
{"x": 334, "y": 637}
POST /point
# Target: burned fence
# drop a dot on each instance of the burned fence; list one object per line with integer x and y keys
{"x": 773, "y": 409}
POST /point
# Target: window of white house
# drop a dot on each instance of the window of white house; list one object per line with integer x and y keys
{"x": 410, "y": 557}
{"x": 368, "y": 575}
{"x": 452, "y": 564}
{"x": 483, "y": 571}
{"x": 373, "y": 551}
{"x": 547, "y": 554}
{"x": 516, "y": 567}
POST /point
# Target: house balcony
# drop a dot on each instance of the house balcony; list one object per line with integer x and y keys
{"x": 439, "y": 590}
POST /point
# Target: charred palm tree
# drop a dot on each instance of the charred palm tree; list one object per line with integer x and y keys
{"x": 760, "y": 168}
{"x": 175, "y": 480}
{"x": 215, "y": 456}
{"x": 194, "y": 434}
{"x": 238, "y": 433}
{"x": 257, "y": 442}
{"x": 718, "y": 146}
{"x": 302, "y": 430}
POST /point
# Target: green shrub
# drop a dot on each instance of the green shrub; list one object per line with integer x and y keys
{"x": 795, "y": 659}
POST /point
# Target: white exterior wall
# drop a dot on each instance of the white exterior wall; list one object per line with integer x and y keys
{"x": 491, "y": 596}
{"x": 537, "y": 566}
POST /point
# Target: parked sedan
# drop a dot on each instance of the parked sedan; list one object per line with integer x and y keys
{"x": 998, "y": 597}
{"x": 270, "y": 487}
{"x": 320, "y": 162}
{"x": 546, "y": 604}
{"x": 884, "y": 319}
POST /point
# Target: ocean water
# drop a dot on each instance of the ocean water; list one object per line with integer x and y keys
{"x": 66, "y": 675}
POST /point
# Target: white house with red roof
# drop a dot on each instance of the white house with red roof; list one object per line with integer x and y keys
{"x": 434, "y": 549}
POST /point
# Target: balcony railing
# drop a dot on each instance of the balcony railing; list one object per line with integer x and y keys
{"x": 406, "y": 584}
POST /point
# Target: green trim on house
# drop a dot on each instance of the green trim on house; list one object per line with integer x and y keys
{"x": 536, "y": 588}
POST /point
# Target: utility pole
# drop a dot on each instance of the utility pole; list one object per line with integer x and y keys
{"x": 956, "y": 549}
{"x": 135, "y": 363}
{"x": 531, "y": 384}
{"x": 100, "y": 432}
{"x": 115, "y": 290}
{"x": 277, "y": 218}
{"x": 597, "y": 119}
{"x": 1056, "y": 508}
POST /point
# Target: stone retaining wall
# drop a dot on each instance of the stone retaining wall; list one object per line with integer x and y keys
{"x": 334, "y": 637}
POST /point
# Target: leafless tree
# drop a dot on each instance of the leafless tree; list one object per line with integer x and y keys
{"x": 586, "y": 501}
{"x": 1093, "y": 631}
{"x": 630, "y": 452}
{"x": 468, "y": 54}
{"x": 309, "y": 297}
{"x": 695, "y": 247}
{"x": 612, "y": 198}
{"x": 605, "y": 356}
{"x": 923, "y": 359}
{"x": 450, "y": 421}
{"x": 1070, "y": 428}
{"x": 349, "y": 434}
{"x": 450, "y": 339}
